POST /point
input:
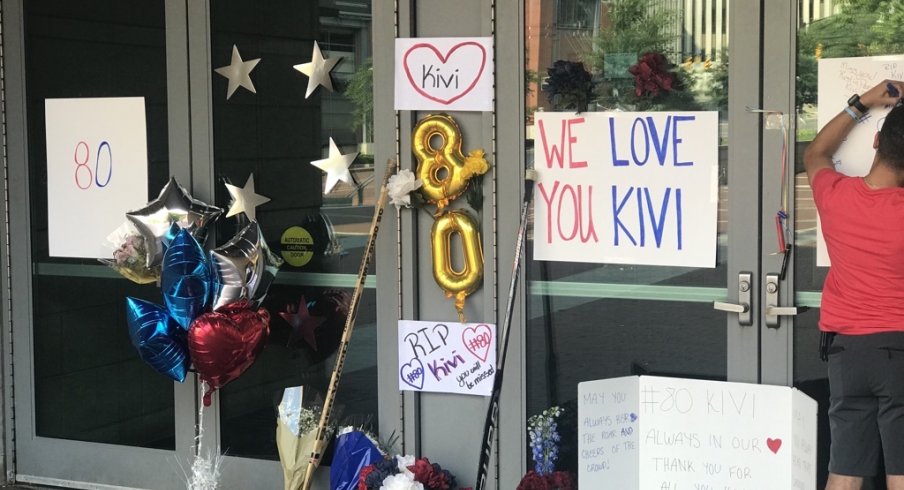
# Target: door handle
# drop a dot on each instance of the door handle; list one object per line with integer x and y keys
{"x": 773, "y": 311}
{"x": 742, "y": 308}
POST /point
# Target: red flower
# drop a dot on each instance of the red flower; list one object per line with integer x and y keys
{"x": 363, "y": 476}
{"x": 422, "y": 470}
{"x": 561, "y": 480}
{"x": 652, "y": 75}
{"x": 533, "y": 481}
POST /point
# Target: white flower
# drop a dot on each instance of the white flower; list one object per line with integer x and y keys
{"x": 400, "y": 186}
{"x": 404, "y": 463}
{"x": 401, "y": 481}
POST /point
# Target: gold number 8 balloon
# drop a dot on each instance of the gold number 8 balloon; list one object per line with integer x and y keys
{"x": 465, "y": 281}
{"x": 444, "y": 170}
{"x": 445, "y": 173}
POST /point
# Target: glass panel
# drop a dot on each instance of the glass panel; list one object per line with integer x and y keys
{"x": 89, "y": 383}
{"x": 826, "y": 29}
{"x": 274, "y": 134}
{"x": 583, "y": 323}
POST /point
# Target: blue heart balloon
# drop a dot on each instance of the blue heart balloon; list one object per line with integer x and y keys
{"x": 185, "y": 279}
{"x": 160, "y": 341}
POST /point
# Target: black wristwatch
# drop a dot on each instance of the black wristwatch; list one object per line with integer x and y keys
{"x": 854, "y": 102}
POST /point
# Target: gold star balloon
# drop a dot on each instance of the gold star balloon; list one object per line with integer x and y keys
{"x": 238, "y": 72}
{"x": 318, "y": 71}
{"x": 335, "y": 166}
{"x": 245, "y": 199}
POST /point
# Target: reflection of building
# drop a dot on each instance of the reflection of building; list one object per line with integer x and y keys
{"x": 564, "y": 29}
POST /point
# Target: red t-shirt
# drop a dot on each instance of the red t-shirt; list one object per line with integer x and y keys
{"x": 864, "y": 233}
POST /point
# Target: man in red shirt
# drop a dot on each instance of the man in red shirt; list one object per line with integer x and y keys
{"x": 863, "y": 297}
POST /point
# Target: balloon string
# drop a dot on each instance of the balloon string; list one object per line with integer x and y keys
{"x": 206, "y": 399}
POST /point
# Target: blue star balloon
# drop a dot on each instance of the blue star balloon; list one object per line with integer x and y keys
{"x": 185, "y": 279}
{"x": 160, "y": 341}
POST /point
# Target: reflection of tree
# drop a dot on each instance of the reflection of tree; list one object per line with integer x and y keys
{"x": 360, "y": 90}
{"x": 633, "y": 28}
{"x": 860, "y": 28}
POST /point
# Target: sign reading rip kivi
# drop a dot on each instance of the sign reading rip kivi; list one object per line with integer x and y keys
{"x": 446, "y": 73}
{"x": 627, "y": 187}
{"x": 447, "y": 357}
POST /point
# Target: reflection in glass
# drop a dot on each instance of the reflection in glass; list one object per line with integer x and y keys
{"x": 89, "y": 383}
{"x": 274, "y": 134}
{"x": 593, "y": 321}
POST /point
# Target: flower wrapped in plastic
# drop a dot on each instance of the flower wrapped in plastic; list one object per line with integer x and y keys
{"x": 354, "y": 450}
{"x": 296, "y": 432}
{"x": 130, "y": 255}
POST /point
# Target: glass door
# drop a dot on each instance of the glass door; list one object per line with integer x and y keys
{"x": 592, "y": 321}
{"x": 843, "y": 47}
{"x": 87, "y": 408}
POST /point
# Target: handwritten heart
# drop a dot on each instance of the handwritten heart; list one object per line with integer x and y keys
{"x": 478, "y": 340}
{"x": 773, "y": 444}
{"x": 412, "y": 373}
{"x": 454, "y": 70}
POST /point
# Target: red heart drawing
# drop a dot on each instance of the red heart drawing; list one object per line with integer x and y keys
{"x": 224, "y": 343}
{"x": 478, "y": 340}
{"x": 444, "y": 60}
{"x": 773, "y": 444}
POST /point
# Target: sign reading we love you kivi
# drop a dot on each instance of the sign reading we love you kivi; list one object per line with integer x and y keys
{"x": 447, "y": 74}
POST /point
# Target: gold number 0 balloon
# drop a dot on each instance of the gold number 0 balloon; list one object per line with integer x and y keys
{"x": 445, "y": 171}
{"x": 464, "y": 282}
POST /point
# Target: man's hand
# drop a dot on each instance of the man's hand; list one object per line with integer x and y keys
{"x": 819, "y": 153}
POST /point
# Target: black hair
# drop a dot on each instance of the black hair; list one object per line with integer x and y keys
{"x": 891, "y": 139}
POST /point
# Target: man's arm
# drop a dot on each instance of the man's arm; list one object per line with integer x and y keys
{"x": 819, "y": 152}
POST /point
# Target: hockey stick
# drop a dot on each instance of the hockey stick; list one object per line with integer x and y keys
{"x": 489, "y": 427}
{"x": 322, "y": 439}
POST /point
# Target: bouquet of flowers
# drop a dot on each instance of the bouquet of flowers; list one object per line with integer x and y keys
{"x": 569, "y": 85}
{"x": 544, "y": 444}
{"x": 405, "y": 473}
{"x": 654, "y": 75}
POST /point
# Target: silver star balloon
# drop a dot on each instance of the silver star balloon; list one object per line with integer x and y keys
{"x": 318, "y": 71}
{"x": 245, "y": 199}
{"x": 238, "y": 72}
{"x": 244, "y": 268}
{"x": 335, "y": 166}
{"x": 173, "y": 205}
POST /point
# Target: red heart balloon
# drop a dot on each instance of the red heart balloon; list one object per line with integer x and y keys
{"x": 224, "y": 343}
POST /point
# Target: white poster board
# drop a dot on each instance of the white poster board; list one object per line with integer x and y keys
{"x": 444, "y": 73}
{"x": 643, "y": 432}
{"x": 626, "y": 187}
{"x": 839, "y": 78}
{"x": 97, "y": 169}
{"x": 447, "y": 357}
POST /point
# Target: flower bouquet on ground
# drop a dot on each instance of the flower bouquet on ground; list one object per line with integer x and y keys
{"x": 544, "y": 444}
{"x": 296, "y": 432}
{"x": 406, "y": 473}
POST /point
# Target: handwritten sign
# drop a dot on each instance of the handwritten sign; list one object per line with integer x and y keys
{"x": 671, "y": 433}
{"x": 626, "y": 187}
{"x": 839, "y": 78}
{"x": 444, "y": 73}
{"x": 96, "y": 170}
{"x": 447, "y": 357}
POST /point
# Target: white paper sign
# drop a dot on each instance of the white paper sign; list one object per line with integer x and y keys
{"x": 447, "y": 357}
{"x": 670, "y": 433}
{"x": 96, "y": 171}
{"x": 839, "y": 78}
{"x": 626, "y": 187}
{"x": 444, "y": 73}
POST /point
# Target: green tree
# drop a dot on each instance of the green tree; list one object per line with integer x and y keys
{"x": 360, "y": 90}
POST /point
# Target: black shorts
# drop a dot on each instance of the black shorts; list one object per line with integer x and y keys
{"x": 866, "y": 413}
